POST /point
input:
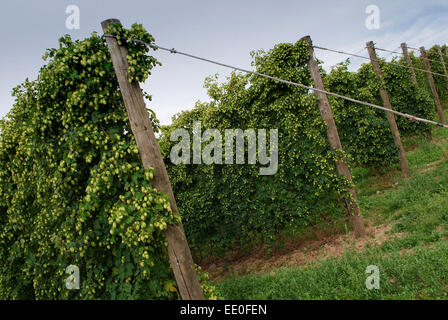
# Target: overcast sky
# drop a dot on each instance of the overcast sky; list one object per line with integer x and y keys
{"x": 224, "y": 30}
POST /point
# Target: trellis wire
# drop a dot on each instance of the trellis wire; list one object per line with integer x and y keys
{"x": 172, "y": 50}
{"x": 391, "y": 63}
{"x": 396, "y": 52}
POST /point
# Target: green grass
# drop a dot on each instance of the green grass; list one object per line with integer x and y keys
{"x": 417, "y": 208}
{"x": 418, "y": 275}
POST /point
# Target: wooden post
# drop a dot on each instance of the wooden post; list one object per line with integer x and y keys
{"x": 432, "y": 85}
{"x": 178, "y": 250}
{"x": 404, "y": 47}
{"x": 333, "y": 137}
{"x": 442, "y": 60}
{"x": 390, "y": 117}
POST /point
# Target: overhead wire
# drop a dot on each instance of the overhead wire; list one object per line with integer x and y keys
{"x": 388, "y": 62}
{"x": 416, "y": 49}
{"x": 396, "y": 52}
{"x": 174, "y": 51}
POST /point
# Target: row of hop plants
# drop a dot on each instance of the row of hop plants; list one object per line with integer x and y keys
{"x": 436, "y": 67}
{"x": 364, "y": 131}
{"x": 72, "y": 187}
{"x": 224, "y": 206}
{"x": 228, "y": 206}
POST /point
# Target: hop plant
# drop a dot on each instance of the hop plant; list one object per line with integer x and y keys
{"x": 72, "y": 187}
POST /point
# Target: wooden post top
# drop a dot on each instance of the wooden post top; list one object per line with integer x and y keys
{"x": 106, "y": 22}
{"x": 306, "y": 38}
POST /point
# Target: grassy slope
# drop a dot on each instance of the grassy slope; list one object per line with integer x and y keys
{"x": 414, "y": 266}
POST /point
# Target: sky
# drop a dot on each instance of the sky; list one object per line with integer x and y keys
{"x": 222, "y": 30}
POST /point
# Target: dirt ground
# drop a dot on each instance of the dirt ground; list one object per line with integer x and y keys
{"x": 303, "y": 253}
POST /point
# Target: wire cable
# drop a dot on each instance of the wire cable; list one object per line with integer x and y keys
{"x": 415, "y": 49}
{"x": 391, "y": 51}
{"x": 379, "y": 61}
{"x": 174, "y": 51}
{"x": 385, "y": 50}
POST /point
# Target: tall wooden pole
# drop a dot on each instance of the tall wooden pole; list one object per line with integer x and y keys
{"x": 442, "y": 60}
{"x": 439, "y": 108}
{"x": 333, "y": 138}
{"x": 404, "y": 48}
{"x": 390, "y": 117}
{"x": 178, "y": 250}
